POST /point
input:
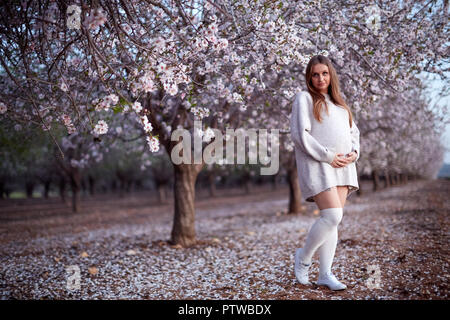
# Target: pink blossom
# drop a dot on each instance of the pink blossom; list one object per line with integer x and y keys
{"x": 137, "y": 106}
{"x": 148, "y": 127}
{"x": 63, "y": 87}
{"x": 153, "y": 143}
{"x": 3, "y": 108}
{"x": 96, "y": 18}
{"x": 101, "y": 127}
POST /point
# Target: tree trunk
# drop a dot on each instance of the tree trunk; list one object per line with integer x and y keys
{"x": 376, "y": 180}
{"x": 212, "y": 184}
{"x": 183, "y": 230}
{"x": 162, "y": 197}
{"x": 405, "y": 178}
{"x": 387, "y": 182}
{"x": 122, "y": 182}
{"x": 62, "y": 189}
{"x": 275, "y": 181}
{"x": 113, "y": 186}
{"x": 47, "y": 188}
{"x": 91, "y": 185}
{"x": 29, "y": 186}
{"x": 138, "y": 185}
{"x": 129, "y": 185}
{"x": 247, "y": 186}
{"x": 75, "y": 183}
{"x": 83, "y": 186}
{"x": 295, "y": 194}
{"x": 2, "y": 189}
{"x": 246, "y": 181}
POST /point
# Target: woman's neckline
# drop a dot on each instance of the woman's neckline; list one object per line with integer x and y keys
{"x": 327, "y": 96}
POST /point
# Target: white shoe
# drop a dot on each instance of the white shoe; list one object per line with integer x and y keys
{"x": 301, "y": 269}
{"x": 331, "y": 282}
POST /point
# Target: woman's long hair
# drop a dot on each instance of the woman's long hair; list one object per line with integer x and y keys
{"x": 333, "y": 88}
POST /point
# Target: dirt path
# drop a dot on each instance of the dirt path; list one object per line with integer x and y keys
{"x": 393, "y": 244}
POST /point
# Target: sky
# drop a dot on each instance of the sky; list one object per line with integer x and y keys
{"x": 446, "y": 143}
{"x": 435, "y": 84}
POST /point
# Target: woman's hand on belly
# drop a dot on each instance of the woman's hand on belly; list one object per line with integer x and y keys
{"x": 351, "y": 157}
{"x": 341, "y": 160}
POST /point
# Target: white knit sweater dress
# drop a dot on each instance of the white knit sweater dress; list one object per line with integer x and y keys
{"x": 316, "y": 144}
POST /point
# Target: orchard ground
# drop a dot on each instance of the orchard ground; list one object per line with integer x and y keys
{"x": 393, "y": 244}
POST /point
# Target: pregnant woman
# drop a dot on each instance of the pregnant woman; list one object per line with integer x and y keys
{"x": 326, "y": 143}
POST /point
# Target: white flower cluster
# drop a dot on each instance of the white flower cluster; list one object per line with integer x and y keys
{"x": 82, "y": 163}
{"x": 146, "y": 82}
{"x": 325, "y": 53}
{"x": 289, "y": 146}
{"x": 63, "y": 86}
{"x": 270, "y": 26}
{"x": 106, "y": 102}
{"x": 3, "y": 108}
{"x": 137, "y": 107}
{"x": 160, "y": 44}
{"x": 200, "y": 44}
{"x": 101, "y": 127}
{"x": 96, "y": 18}
{"x": 146, "y": 124}
{"x": 172, "y": 76}
{"x": 153, "y": 143}
{"x": 249, "y": 90}
{"x": 68, "y": 123}
{"x": 171, "y": 88}
{"x": 200, "y": 112}
{"x": 127, "y": 28}
{"x": 237, "y": 98}
{"x": 234, "y": 58}
{"x": 209, "y": 36}
{"x": 74, "y": 62}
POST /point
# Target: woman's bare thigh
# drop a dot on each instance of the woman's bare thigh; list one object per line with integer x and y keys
{"x": 328, "y": 199}
{"x": 343, "y": 192}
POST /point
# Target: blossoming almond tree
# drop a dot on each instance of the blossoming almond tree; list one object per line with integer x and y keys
{"x": 224, "y": 62}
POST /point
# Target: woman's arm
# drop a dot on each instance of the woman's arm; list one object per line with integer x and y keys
{"x": 354, "y": 131}
{"x": 301, "y": 128}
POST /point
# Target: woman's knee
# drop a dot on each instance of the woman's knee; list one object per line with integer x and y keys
{"x": 333, "y": 216}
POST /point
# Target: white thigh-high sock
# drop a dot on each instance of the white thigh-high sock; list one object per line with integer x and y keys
{"x": 326, "y": 252}
{"x": 322, "y": 230}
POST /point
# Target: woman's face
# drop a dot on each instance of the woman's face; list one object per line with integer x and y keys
{"x": 320, "y": 77}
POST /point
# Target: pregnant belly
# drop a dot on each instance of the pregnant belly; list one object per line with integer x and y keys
{"x": 337, "y": 143}
{"x": 334, "y": 134}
